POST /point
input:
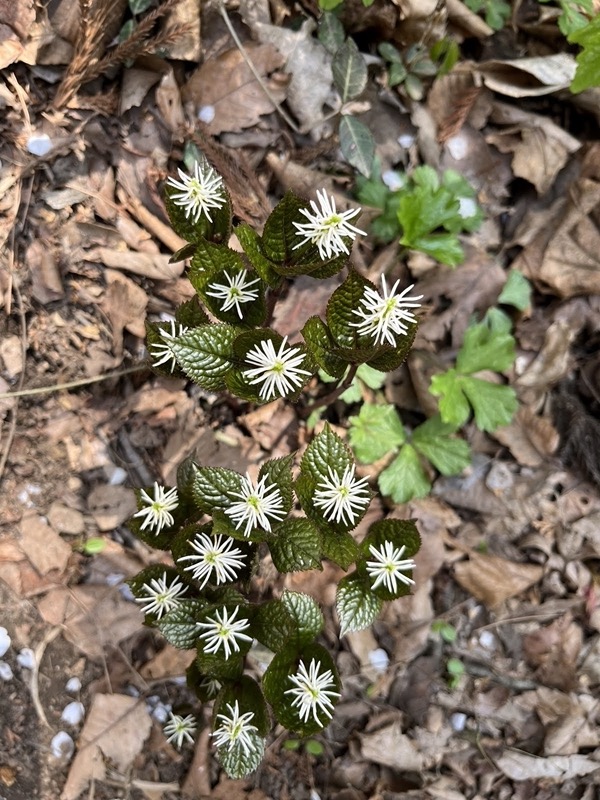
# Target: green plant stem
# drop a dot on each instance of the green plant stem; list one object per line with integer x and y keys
{"x": 331, "y": 397}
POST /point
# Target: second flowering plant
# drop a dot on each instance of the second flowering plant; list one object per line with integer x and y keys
{"x": 299, "y": 511}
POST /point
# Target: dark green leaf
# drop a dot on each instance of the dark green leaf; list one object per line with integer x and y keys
{"x": 349, "y": 71}
{"x": 279, "y": 472}
{"x": 296, "y": 546}
{"x": 357, "y": 144}
{"x": 320, "y": 344}
{"x": 273, "y": 625}
{"x": 331, "y": 31}
{"x": 306, "y": 615}
{"x": 339, "y": 547}
{"x": 205, "y": 354}
{"x": 249, "y": 697}
{"x": 179, "y": 626}
{"x": 356, "y": 605}
{"x": 215, "y": 488}
{"x": 251, "y": 243}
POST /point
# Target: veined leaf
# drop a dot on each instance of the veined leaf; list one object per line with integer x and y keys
{"x": 205, "y": 354}
{"x": 357, "y": 606}
{"x": 375, "y": 431}
{"x": 357, "y": 144}
{"x": 179, "y": 626}
{"x": 215, "y": 488}
{"x": 405, "y": 477}
{"x": 435, "y": 440}
{"x": 296, "y": 546}
{"x": 305, "y": 614}
{"x": 349, "y": 71}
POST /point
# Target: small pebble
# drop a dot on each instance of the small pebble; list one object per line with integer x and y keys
{"x": 73, "y": 685}
{"x": 206, "y": 114}
{"x": 6, "y": 673}
{"x": 26, "y": 658}
{"x": 458, "y": 721}
{"x": 487, "y": 640}
{"x": 114, "y": 578}
{"x": 117, "y": 476}
{"x": 4, "y": 641}
{"x": 73, "y": 713}
{"x": 62, "y": 746}
{"x": 393, "y": 180}
{"x": 467, "y": 207}
{"x": 379, "y": 659}
{"x": 406, "y": 140}
{"x": 126, "y": 592}
{"x": 39, "y": 144}
{"x": 161, "y": 713}
{"x": 458, "y": 147}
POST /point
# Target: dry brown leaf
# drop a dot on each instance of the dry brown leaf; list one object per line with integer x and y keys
{"x": 151, "y": 265}
{"x": 169, "y": 663}
{"x": 392, "y": 748}
{"x": 228, "y": 85}
{"x": 16, "y": 20}
{"x": 493, "y": 580}
{"x": 42, "y": 545}
{"x": 168, "y": 102}
{"x": 554, "y": 649}
{"x": 46, "y": 282}
{"x": 530, "y": 438}
{"x": 135, "y": 86}
{"x": 563, "y": 255}
{"x": 529, "y": 77}
{"x": 187, "y": 45}
{"x": 93, "y": 617}
{"x": 124, "y": 303}
{"x": 520, "y": 766}
{"x": 116, "y": 729}
{"x": 111, "y": 505}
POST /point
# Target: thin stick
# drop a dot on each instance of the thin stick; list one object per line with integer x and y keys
{"x": 281, "y": 111}
{"x": 72, "y": 384}
{"x": 35, "y": 689}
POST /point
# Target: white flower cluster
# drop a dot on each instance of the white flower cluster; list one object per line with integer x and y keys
{"x": 327, "y": 227}
{"x": 384, "y": 317}
{"x": 278, "y": 373}
{"x": 313, "y": 691}
{"x": 389, "y": 567}
{"x": 157, "y": 509}
{"x": 198, "y": 193}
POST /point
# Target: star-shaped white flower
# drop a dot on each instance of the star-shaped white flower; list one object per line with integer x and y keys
{"x": 163, "y": 352}
{"x": 384, "y": 317}
{"x": 161, "y": 596}
{"x": 389, "y": 566}
{"x": 224, "y": 631}
{"x": 217, "y": 559}
{"x": 312, "y": 691}
{"x": 157, "y": 513}
{"x": 211, "y": 686}
{"x": 179, "y": 729}
{"x": 342, "y": 498}
{"x": 199, "y": 192}
{"x": 235, "y": 729}
{"x": 257, "y": 504}
{"x": 279, "y": 373}
{"x": 235, "y": 292}
{"x": 327, "y": 227}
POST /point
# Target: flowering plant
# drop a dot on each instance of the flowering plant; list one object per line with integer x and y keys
{"x": 218, "y": 524}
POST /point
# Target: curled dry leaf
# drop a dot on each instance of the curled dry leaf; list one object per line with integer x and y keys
{"x": 520, "y": 766}
{"x": 554, "y": 650}
{"x": 493, "y": 580}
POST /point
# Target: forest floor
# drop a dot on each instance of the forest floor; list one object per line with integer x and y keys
{"x": 484, "y": 682}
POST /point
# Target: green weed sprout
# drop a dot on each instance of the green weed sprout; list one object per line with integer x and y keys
{"x": 217, "y": 524}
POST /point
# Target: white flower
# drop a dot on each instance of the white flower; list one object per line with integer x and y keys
{"x": 218, "y": 556}
{"x": 342, "y": 496}
{"x": 279, "y": 373}
{"x": 179, "y": 729}
{"x": 161, "y": 597}
{"x": 388, "y": 566}
{"x": 198, "y": 192}
{"x": 326, "y": 227}
{"x": 385, "y": 317}
{"x": 313, "y": 691}
{"x": 224, "y": 632}
{"x": 235, "y": 293}
{"x": 257, "y": 504}
{"x": 157, "y": 512}
{"x": 164, "y": 352}
{"x": 211, "y": 686}
{"x": 235, "y": 729}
